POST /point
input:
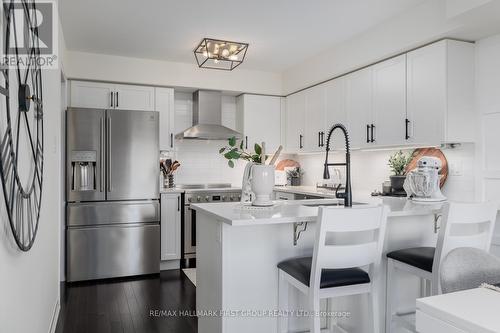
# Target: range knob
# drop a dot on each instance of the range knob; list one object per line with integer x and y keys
{"x": 207, "y": 198}
{"x": 190, "y": 199}
{"x": 239, "y": 197}
{"x": 198, "y": 198}
{"x": 223, "y": 198}
{"x": 231, "y": 198}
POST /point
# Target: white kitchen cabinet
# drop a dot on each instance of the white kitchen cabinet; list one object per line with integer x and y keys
{"x": 164, "y": 104}
{"x": 294, "y": 120}
{"x": 98, "y": 95}
{"x": 95, "y": 95}
{"x": 358, "y": 104}
{"x": 131, "y": 97}
{"x": 440, "y": 88}
{"x": 314, "y": 118}
{"x": 170, "y": 226}
{"x": 258, "y": 118}
{"x": 389, "y": 102}
{"x": 335, "y": 113}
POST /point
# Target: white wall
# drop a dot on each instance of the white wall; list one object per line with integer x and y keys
{"x": 488, "y": 106}
{"x": 29, "y": 282}
{"x": 427, "y": 22}
{"x": 369, "y": 169}
{"x": 91, "y": 66}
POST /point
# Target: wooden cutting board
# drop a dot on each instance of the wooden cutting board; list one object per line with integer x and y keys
{"x": 287, "y": 163}
{"x": 435, "y": 152}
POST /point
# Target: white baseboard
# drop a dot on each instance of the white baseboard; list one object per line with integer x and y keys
{"x": 55, "y": 317}
{"x": 170, "y": 264}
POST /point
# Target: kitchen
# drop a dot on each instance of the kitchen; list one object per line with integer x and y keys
{"x": 161, "y": 203}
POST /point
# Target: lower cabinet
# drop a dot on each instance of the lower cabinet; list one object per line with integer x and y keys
{"x": 170, "y": 226}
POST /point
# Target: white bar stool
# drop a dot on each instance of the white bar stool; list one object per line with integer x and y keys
{"x": 462, "y": 225}
{"x": 334, "y": 270}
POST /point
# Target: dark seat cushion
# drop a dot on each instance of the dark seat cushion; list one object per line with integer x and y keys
{"x": 300, "y": 269}
{"x": 420, "y": 257}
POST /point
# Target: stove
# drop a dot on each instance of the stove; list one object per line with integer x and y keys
{"x": 200, "y": 193}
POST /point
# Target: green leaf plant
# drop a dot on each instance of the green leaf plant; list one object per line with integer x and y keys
{"x": 233, "y": 152}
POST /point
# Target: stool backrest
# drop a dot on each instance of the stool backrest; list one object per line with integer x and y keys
{"x": 465, "y": 225}
{"x": 352, "y": 251}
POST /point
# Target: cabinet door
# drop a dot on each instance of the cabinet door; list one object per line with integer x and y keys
{"x": 426, "y": 91}
{"x": 170, "y": 226}
{"x": 130, "y": 97}
{"x": 314, "y": 118}
{"x": 93, "y": 95}
{"x": 358, "y": 105}
{"x": 295, "y": 116}
{"x": 389, "y": 101}
{"x": 261, "y": 121}
{"x": 335, "y": 112}
{"x": 164, "y": 104}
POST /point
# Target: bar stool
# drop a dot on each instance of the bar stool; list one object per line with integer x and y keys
{"x": 462, "y": 225}
{"x": 335, "y": 270}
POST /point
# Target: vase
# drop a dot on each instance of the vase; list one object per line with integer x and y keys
{"x": 295, "y": 181}
{"x": 262, "y": 183}
{"x": 397, "y": 183}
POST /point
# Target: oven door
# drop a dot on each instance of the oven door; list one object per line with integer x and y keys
{"x": 189, "y": 228}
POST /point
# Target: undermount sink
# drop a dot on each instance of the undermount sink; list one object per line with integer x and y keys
{"x": 340, "y": 203}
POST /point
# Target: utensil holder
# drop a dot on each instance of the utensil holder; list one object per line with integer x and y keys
{"x": 168, "y": 181}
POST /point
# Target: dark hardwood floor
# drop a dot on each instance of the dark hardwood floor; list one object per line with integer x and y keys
{"x": 125, "y": 305}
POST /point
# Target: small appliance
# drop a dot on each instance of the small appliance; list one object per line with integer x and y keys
{"x": 280, "y": 178}
{"x": 422, "y": 184}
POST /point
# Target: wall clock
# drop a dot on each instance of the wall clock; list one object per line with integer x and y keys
{"x": 21, "y": 121}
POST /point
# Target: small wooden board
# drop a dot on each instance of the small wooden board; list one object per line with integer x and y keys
{"x": 287, "y": 163}
{"x": 435, "y": 152}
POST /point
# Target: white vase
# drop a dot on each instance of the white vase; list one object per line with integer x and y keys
{"x": 262, "y": 184}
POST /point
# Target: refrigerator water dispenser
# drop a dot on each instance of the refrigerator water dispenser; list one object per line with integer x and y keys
{"x": 83, "y": 165}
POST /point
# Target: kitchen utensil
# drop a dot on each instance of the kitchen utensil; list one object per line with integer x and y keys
{"x": 422, "y": 183}
{"x": 263, "y": 155}
{"x": 276, "y": 155}
{"x": 421, "y": 152}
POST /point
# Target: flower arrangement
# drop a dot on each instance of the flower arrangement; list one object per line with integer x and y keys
{"x": 398, "y": 163}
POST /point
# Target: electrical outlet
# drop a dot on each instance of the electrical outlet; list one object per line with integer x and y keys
{"x": 456, "y": 169}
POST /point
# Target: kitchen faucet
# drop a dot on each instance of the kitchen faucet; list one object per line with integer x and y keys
{"x": 347, "y": 195}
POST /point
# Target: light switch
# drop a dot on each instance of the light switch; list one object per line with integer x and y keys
{"x": 456, "y": 169}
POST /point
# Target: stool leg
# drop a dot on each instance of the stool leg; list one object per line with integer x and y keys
{"x": 315, "y": 319}
{"x": 282, "y": 302}
{"x": 375, "y": 304}
{"x": 389, "y": 296}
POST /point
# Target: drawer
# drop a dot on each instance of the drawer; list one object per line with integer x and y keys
{"x": 429, "y": 324}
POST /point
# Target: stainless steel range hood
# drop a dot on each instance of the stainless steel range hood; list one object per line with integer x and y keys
{"x": 207, "y": 118}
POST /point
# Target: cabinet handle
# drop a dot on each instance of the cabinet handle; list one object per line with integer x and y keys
{"x": 322, "y": 139}
{"x": 372, "y": 127}
{"x": 367, "y": 133}
{"x": 171, "y": 140}
{"x": 319, "y": 139}
{"x": 246, "y": 142}
{"x": 117, "y": 99}
{"x": 300, "y": 141}
{"x": 407, "y": 133}
{"x": 178, "y": 204}
{"x": 111, "y": 94}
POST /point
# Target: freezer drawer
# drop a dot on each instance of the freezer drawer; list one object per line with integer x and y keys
{"x": 98, "y": 213}
{"x": 112, "y": 251}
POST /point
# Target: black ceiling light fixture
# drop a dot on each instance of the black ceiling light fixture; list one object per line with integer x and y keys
{"x": 220, "y": 54}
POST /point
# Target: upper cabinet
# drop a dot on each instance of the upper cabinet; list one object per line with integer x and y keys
{"x": 421, "y": 98}
{"x": 440, "y": 88}
{"x": 99, "y": 95}
{"x": 388, "y": 102}
{"x": 164, "y": 104}
{"x": 258, "y": 118}
{"x": 294, "y": 122}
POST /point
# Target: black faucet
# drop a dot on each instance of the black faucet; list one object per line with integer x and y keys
{"x": 347, "y": 195}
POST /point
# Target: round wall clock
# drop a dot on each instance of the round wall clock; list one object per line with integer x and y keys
{"x": 21, "y": 121}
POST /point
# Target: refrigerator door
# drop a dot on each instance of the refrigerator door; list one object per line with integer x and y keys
{"x": 133, "y": 150}
{"x": 85, "y": 154}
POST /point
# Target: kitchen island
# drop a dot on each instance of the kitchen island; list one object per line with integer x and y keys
{"x": 238, "y": 248}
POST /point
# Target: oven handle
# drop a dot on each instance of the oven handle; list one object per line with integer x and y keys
{"x": 193, "y": 227}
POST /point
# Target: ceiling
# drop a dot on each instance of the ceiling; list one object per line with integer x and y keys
{"x": 281, "y": 33}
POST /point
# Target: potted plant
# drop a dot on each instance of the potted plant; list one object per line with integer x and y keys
{"x": 294, "y": 176}
{"x": 398, "y": 163}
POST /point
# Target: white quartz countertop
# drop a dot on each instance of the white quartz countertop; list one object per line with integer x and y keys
{"x": 290, "y": 211}
{"x": 306, "y": 190}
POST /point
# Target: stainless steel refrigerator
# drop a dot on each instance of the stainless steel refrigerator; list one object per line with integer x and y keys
{"x": 112, "y": 191}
